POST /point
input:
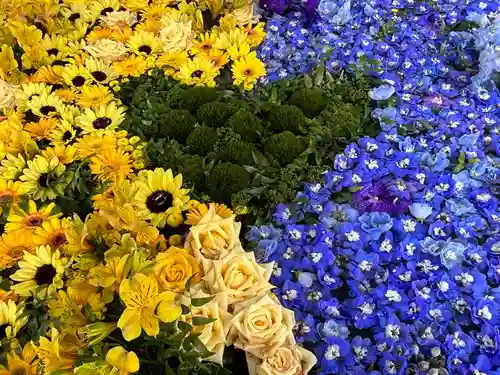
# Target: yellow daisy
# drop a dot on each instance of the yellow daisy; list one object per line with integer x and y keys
{"x": 218, "y": 57}
{"x": 76, "y": 76}
{"x": 160, "y": 197}
{"x": 51, "y": 233}
{"x": 235, "y": 37}
{"x": 145, "y": 43}
{"x": 20, "y": 221}
{"x": 67, "y": 95}
{"x": 12, "y": 167}
{"x": 131, "y": 66}
{"x": 12, "y": 318}
{"x": 205, "y": 44}
{"x": 101, "y": 71}
{"x": 40, "y": 274}
{"x": 12, "y": 248}
{"x": 171, "y": 62}
{"x": 94, "y": 96}
{"x": 28, "y": 91}
{"x": 65, "y": 154}
{"x": 41, "y": 129}
{"x": 63, "y": 134}
{"x": 112, "y": 165}
{"x": 106, "y": 117}
{"x": 255, "y": 34}
{"x": 45, "y": 105}
{"x": 94, "y": 143}
{"x": 238, "y": 52}
{"x": 56, "y": 47}
{"x": 198, "y": 71}
{"x": 247, "y": 70}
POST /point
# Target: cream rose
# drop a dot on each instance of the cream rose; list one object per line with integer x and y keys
{"x": 213, "y": 237}
{"x": 107, "y": 49}
{"x": 239, "y": 275}
{"x": 212, "y": 335}
{"x": 260, "y": 326}
{"x": 119, "y": 20}
{"x": 177, "y": 35}
{"x": 174, "y": 267}
{"x": 288, "y": 360}
{"x": 7, "y": 95}
{"x": 244, "y": 14}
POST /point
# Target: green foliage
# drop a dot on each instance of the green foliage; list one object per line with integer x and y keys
{"x": 175, "y": 123}
{"x": 246, "y": 124}
{"x": 284, "y": 147}
{"x": 236, "y": 151}
{"x": 193, "y": 171}
{"x": 202, "y": 140}
{"x": 226, "y": 179}
{"x": 311, "y": 101}
{"x": 194, "y": 97}
{"x": 286, "y": 117}
{"x": 215, "y": 114}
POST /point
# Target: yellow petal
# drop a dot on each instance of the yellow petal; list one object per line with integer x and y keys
{"x": 123, "y": 360}
{"x": 168, "y": 311}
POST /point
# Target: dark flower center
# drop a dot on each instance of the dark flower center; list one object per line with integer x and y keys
{"x": 145, "y": 49}
{"x": 56, "y": 86}
{"x": 67, "y": 135}
{"x": 59, "y": 63}
{"x": 53, "y": 51}
{"x": 101, "y": 122}
{"x": 3, "y": 331}
{"x": 105, "y": 11}
{"x": 197, "y": 74}
{"x": 159, "y": 201}
{"x": 29, "y": 116}
{"x": 99, "y": 76}
{"x": 45, "y": 274}
{"x": 46, "y": 109}
{"x": 74, "y": 17}
{"x": 30, "y": 71}
{"x": 78, "y": 81}
{"x": 247, "y": 72}
{"x": 58, "y": 239}
{"x": 40, "y": 26}
{"x": 35, "y": 221}
{"x": 43, "y": 180}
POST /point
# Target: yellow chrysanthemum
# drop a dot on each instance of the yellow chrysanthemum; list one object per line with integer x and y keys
{"x": 65, "y": 154}
{"x": 160, "y": 197}
{"x": 39, "y": 274}
{"x": 13, "y": 247}
{"x": 122, "y": 361}
{"x": 198, "y": 71}
{"x": 44, "y": 179}
{"x": 95, "y": 143}
{"x": 131, "y": 66}
{"x": 41, "y": 129}
{"x": 12, "y": 167}
{"x": 51, "y": 233}
{"x": 20, "y": 221}
{"x": 59, "y": 352}
{"x": 94, "y": 96}
{"x": 205, "y": 44}
{"x": 144, "y": 43}
{"x": 106, "y": 117}
{"x": 112, "y": 165}
{"x": 12, "y": 317}
{"x": 145, "y": 307}
{"x": 76, "y": 76}
{"x": 247, "y": 70}
{"x": 101, "y": 71}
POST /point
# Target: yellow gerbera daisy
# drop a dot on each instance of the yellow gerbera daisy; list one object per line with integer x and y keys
{"x": 238, "y": 52}
{"x": 145, "y": 43}
{"x": 65, "y": 154}
{"x": 94, "y": 96}
{"x": 41, "y": 129}
{"x": 101, "y": 71}
{"x": 255, "y": 34}
{"x": 160, "y": 196}
{"x": 51, "y": 233}
{"x": 12, "y": 248}
{"x": 247, "y": 70}
{"x": 12, "y": 167}
{"x": 205, "y": 44}
{"x": 131, "y": 66}
{"x": 171, "y": 62}
{"x": 39, "y": 274}
{"x": 106, "y": 117}
{"x": 150, "y": 25}
{"x": 67, "y": 95}
{"x": 235, "y": 37}
{"x": 198, "y": 210}
{"x": 198, "y": 71}
{"x": 12, "y": 318}
{"x": 219, "y": 58}
{"x": 94, "y": 143}
{"x": 20, "y": 221}
{"x": 44, "y": 179}
{"x": 76, "y": 76}
{"x": 112, "y": 165}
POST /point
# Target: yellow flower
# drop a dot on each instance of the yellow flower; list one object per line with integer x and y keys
{"x": 49, "y": 74}
{"x": 77, "y": 236}
{"x": 24, "y": 364}
{"x": 59, "y": 352}
{"x": 41, "y": 129}
{"x": 244, "y": 14}
{"x": 174, "y": 267}
{"x": 7, "y": 61}
{"x": 218, "y": 58}
{"x": 205, "y": 44}
{"x": 26, "y": 35}
{"x": 131, "y": 66}
{"x": 177, "y": 34}
{"x": 145, "y": 307}
{"x": 10, "y": 192}
{"x": 63, "y": 134}
{"x": 20, "y": 221}
{"x": 12, "y": 318}
{"x": 198, "y": 210}
{"x": 45, "y": 105}
{"x": 65, "y": 154}
{"x": 112, "y": 165}
{"x": 12, "y": 167}
{"x": 255, "y": 34}
{"x": 13, "y": 246}
{"x": 235, "y": 37}
{"x": 106, "y": 117}
{"x": 171, "y": 62}
{"x": 100, "y": 70}
{"x": 7, "y": 95}
{"x": 94, "y": 96}
{"x": 247, "y": 70}
{"x": 94, "y": 143}
{"x": 143, "y": 231}
{"x": 111, "y": 275}
{"x": 198, "y": 71}
{"x": 76, "y": 75}
{"x": 144, "y": 43}
{"x": 40, "y": 274}
{"x": 107, "y": 49}
{"x": 238, "y": 52}
{"x": 123, "y": 361}
{"x": 44, "y": 179}
{"x": 160, "y": 197}
{"x": 28, "y": 90}
{"x": 51, "y": 233}
{"x": 56, "y": 47}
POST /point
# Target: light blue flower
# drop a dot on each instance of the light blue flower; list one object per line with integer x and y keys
{"x": 460, "y": 206}
{"x": 306, "y": 279}
{"x": 332, "y": 328}
{"x": 375, "y": 223}
{"x": 432, "y": 246}
{"x": 420, "y": 211}
{"x": 452, "y": 254}
{"x": 383, "y": 92}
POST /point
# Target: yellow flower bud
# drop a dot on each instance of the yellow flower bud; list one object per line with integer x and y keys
{"x": 138, "y": 165}
{"x": 122, "y": 142}
{"x": 129, "y": 148}
{"x": 134, "y": 140}
{"x": 137, "y": 154}
{"x": 121, "y": 134}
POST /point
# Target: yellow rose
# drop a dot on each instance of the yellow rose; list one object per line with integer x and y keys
{"x": 174, "y": 267}
{"x": 107, "y": 49}
{"x": 177, "y": 36}
{"x": 288, "y": 360}
{"x": 244, "y": 14}
{"x": 239, "y": 275}
{"x": 260, "y": 327}
{"x": 214, "y": 237}
{"x": 7, "y": 95}
{"x": 119, "y": 20}
{"x": 212, "y": 335}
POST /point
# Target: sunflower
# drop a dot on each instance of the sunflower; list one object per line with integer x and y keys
{"x": 49, "y": 74}
{"x": 101, "y": 71}
{"x": 171, "y": 62}
{"x": 10, "y": 191}
{"x": 40, "y": 274}
{"x": 64, "y": 133}
{"x": 160, "y": 197}
{"x": 205, "y": 44}
{"x": 28, "y": 91}
{"x": 95, "y": 143}
{"x": 77, "y": 12}
{"x": 51, "y": 233}
{"x": 198, "y": 71}
{"x": 106, "y": 117}
{"x": 103, "y": 7}
{"x": 112, "y": 165}
{"x": 12, "y": 167}
{"x": 76, "y": 76}
{"x": 131, "y": 66}
{"x": 145, "y": 43}
{"x": 12, "y": 248}
{"x": 56, "y": 47}
{"x": 247, "y": 70}
{"x": 45, "y": 105}
{"x": 44, "y": 179}
{"x": 20, "y": 221}
{"x": 41, "y": 129}
{"x": 12, "y": 319}
{"x": 94, "y": 96}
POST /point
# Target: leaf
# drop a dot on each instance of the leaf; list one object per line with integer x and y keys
{"x": 308, "y": 82}
{"x": 185, "y": 309}
{"x": 319, "y": 75}
{"x": 202, "y": 320}
{"x": 197, "y": 302}
{"x": 250, "y": 169}
{"x": 259, "y": 159}
{"x": 189, "y": 281}
{"x": 183, "y": 326}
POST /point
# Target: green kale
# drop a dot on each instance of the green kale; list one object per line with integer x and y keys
{"x": 284, "y": 147}
{"x": 286, "y": 117}
{"x": 311, "y": 101}
{"x": 225, "y": 180}
{"x": 202, "y": 140}
{"x": 246, "y": 124}
{"x": 215, "y": 114}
